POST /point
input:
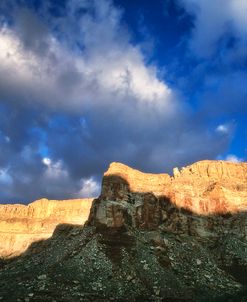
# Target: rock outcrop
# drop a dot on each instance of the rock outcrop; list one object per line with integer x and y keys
{"x": 210, "y": 187}
{"x": 204, "y": 188}
{"x": 148, "y": 238}
{"x": 142, "y": 199}
{"x": 21, "y": 225}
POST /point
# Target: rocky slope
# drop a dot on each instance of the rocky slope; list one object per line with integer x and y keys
{"x": 21, "y": 225}
{"x": 148, "y": 238}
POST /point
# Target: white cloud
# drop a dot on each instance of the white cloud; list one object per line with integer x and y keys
{"x": 237, "y": 12}
{"x": 46, "y": 161}
{"x": 89, "y": 188}
{"x": 54, "y": 170}
{"x": 110, "y": 70}
{"x": 222, "y": 129}
{"x": 56, "y": 174}
{"x": 233, "y": 158}
{"x": 213, "y": 18}
{"x": 5, "y": 178}
{"x": 114, "y": 106}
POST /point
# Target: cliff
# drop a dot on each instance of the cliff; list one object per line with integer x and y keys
{"x": 20, "y": 225}
{"x": 210, "y": 187}
{"x": 204, "y": 188}
{"x": 148, "y": 237}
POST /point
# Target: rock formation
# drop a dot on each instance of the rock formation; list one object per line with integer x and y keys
{"x": 148, "y": 238}
{"x": 20, "y": 225}
{"x": 204, "y": 188}
{"x": 211, "y": 187}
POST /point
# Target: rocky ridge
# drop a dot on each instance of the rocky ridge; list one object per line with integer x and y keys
{"x": 148, "y": 238}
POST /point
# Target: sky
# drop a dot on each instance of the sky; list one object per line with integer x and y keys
{"x": 83, "y": 83}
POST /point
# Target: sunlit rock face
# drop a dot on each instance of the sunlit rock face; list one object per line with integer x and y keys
{"x": 21, "y": 225}
{"x": 148, "y": 238}
{"x": 137, "y": 181}
{"x": 184, "y": 203}
{"x": 201, "y": 205}
{"x": 205, "y": 189}
{"x": 210, "y": 187}
{"x": 131, "y": 196}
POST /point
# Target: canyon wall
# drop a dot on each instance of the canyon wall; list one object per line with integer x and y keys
{"x": 210, "y": 187}
{"x": 148, "y": 238}
{"x": 205, "y": 189}
{"x": 20, "y": 225}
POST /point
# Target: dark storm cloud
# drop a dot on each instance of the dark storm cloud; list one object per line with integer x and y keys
{"x": 77, "y": 95}
{"x": 25, "y": 173}
{"x": 33, "y": 33}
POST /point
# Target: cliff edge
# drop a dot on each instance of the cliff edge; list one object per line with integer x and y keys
{"x": 204, "y": 188}
{"x": 148, "y": 237}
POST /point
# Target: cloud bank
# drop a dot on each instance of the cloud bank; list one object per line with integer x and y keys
{"x": 216, "y": 20}
{"x": 77, "y": 94}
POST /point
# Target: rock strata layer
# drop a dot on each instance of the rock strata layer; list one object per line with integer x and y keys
{"x": 142, "y": 199}
{"x": 21, "y": 225}
{"x": 148, "y": 238}
{"x": 210, "y": 187}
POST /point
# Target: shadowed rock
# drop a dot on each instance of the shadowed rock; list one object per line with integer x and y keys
{"x": 148, "y": 238}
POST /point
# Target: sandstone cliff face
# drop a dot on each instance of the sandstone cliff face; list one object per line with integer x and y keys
{"x": 205, "y": 202}
{"x": 148, "y": 238}
{"x": 137, "y": 181}
{"x": 142, "y": 199}
{"x": 210, "y": 187}
{"x": 206, "y": 190}
{"x": 22, "y": 225}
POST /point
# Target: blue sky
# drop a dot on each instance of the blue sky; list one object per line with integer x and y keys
{"x": 83, "y": 83}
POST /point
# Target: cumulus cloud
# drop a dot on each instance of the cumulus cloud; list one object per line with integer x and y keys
{"x": 226, "y": 129}
{"x": 222, "y": 129}
{"x": 218, "y": 44}
{"x": 233, "y": 158}
{"x": 76, "y": 94}
{"x": 55, "y": 174}
{"x": 89, "y": 188}
{"x": 215, "y": 19}
{"x": 5, "y": 178}
{"x": 109, "y": 70}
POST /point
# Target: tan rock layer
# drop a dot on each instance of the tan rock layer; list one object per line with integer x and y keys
{"x": 128, "y": 195}
{"x": 137, "y": 180}
{"x": 20, "y": 225}
{"x": 195, "y": 198}
{"x": 206, "y": 187}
